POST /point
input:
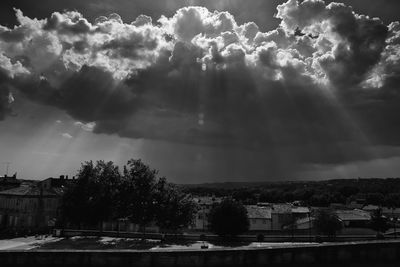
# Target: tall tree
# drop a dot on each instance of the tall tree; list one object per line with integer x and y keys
{"x": 91, "y": 198}
{"x": 175, "y": 208}
{"x": 228, "y": 218}
{"x": 138, "y": 193}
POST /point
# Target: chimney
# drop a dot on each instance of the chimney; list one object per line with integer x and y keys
{"x": 66, "y": 177}
{"x": 61, "y": 177}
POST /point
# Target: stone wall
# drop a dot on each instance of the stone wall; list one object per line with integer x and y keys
{"x": 366, "y": 254}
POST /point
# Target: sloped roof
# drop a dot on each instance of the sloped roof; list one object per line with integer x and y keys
{"x": 300, "y": 210}
{"x": 30, "y": 191}
{"x": 305, "y": 220}
{"x": 257, "y": 212}
{"x": 282, "y": 208}
{"x": 353, "y": 215}
{"x": 371, "y": 207}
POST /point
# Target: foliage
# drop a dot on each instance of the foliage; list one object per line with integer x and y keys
{"x": 91, "y": 198}
{"x": 383, "y": 192}
{"x": 102, "y": 193}
{"x": 175, "y": 209}
{"x": 379, "y": 223}
{"x": 228, "y": 218}
{"x": 326, "y": 222}
{"x": 137, "y": 198}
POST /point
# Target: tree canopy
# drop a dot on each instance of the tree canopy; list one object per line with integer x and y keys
{"x": 228, "y": 218}
{"x": 326, "y": 222}
{"x": 379, "y": 223}
{"x": 102, "y": 192}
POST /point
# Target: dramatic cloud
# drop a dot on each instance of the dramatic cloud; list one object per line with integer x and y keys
{"x": 321, "y": 86}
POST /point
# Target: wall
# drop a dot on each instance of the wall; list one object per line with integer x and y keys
{"x": 383, "y": 254}
{"x": 259, "y": 224}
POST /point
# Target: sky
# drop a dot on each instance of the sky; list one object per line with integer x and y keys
{"x": 202, "y": 90}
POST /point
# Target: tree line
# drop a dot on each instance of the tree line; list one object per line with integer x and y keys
{"x": 381, "y": 192}
{"x": 104, "y": 193}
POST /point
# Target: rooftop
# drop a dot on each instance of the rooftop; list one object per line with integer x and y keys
{"x": 26, "y": 190}
{"x": 353, "y": 215}
{"x": 257, "y": 212}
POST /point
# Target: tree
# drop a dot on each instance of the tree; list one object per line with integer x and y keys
{"x": 175, "y": 208}
{"x": 92, "y": 198}
{"x": 137, "y": 199}
{"x": 379, "y": 223}
{"x": 326, "y": 222}
{"x": 228, "y": 218}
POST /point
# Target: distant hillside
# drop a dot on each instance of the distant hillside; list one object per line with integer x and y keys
{"x": 376, "y": 191}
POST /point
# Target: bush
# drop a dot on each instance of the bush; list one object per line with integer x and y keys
{"x": 229, "y": 218}
{"x": 260, "y": 238}
{"x": 326, "y": 222}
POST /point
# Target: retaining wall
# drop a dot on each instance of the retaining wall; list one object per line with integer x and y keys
{"x": 366, "y": 254}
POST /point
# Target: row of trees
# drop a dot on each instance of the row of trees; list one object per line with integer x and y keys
{"x": 103, "y": 193}
{"x": 383, "y": 192}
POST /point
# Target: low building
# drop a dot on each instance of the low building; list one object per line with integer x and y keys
{"x": 286, "y": 214}
{"x": 305, "y": 223}
{"x": 354, "y": 218}
{"x": 260, "y": 218}
{"x": 371, "y": 208}
{"x": 8, "y": 182}
{"x": 391, "y": 212}
{"x": 204, "y": 204}
{"x": 52, "y": 182}
{"x": 29, "y": 207}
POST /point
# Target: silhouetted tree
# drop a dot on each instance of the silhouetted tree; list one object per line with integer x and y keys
{"x": 326, "y": 222}
{"x": 175, "y": 209}
{"x": 379, "y": 223}
{"x": 137, "y": 199}
{"x": 92, "y": 198}
{"x": 228, "y": 218}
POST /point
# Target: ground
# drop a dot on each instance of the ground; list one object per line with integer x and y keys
{"x": 36, "y": 243}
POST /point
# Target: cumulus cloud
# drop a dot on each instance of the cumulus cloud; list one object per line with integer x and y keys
{"x": 66, "y": 136}
{"x": 201, "y": 77}
{"x": 85, "y": 126}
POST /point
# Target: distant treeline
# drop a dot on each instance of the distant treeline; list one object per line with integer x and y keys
{"x": 375, "y": 191}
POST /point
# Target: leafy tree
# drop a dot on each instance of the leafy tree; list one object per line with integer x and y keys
{"x": 92, "y": 198}
{"x": 175, "y": 208}
{"x": 379, "y": 223}
{"x": 138, "y": 193}
{"x": 228, "y": 218}
{"x": 326, "y": 222}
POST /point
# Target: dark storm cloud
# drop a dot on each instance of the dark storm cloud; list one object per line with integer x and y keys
{"x": 310, "y": 87}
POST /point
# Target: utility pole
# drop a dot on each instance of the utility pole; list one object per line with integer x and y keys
{"x": 7, "y": 166}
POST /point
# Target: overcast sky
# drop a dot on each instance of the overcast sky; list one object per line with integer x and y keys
{"x": 204, "y": 91}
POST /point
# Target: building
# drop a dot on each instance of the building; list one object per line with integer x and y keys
{"x": 354, "y": 218}
{"x": 8, "y": 182}
{"x": 391, "y": 212}
{"x": 305, "y": 223}
{"x": 260, "y": 218}
{"x": 60, "y": 182}
{"x": 286, "y": 214}
{"x": 204, "y": 204}
{"x": 29, "y": 207}
{"x": 371, "y": 208}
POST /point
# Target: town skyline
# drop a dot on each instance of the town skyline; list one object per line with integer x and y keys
{"x": 204, "y": 91}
